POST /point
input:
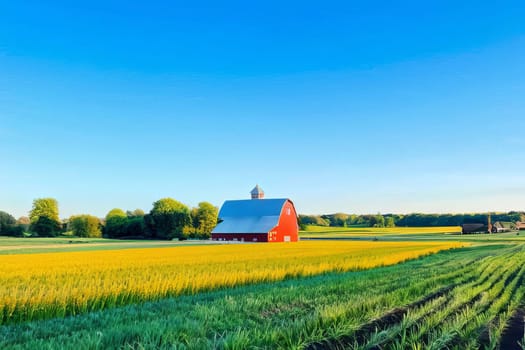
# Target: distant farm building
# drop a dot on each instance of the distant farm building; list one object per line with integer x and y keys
{"x": 502, "y": 226}
{"x": 474, "y": 228}
{"x": 257, "y": 220}
{"x": 520, "y": 226}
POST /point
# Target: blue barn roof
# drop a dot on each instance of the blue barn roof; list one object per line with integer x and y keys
{"x": 250, "y": 215}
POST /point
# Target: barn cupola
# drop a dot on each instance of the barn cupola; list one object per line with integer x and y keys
{"x": 257, "y": 192}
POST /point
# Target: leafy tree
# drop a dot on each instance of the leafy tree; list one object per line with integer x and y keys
{"x": 6, "y": 220}
{"x": 136, "y": 226}
{"x": 44, "y": 217}
{"x": 205, "y": 218}
{"x": 389, "y": 222}
{"x": 377, "y": 221}
{"x": 45, "y": 227}
{"x": 8, "y": 225}
{"x": 351, "y": 220}
{"x": 126, "y": 224}
{"x": 313, "y": 220}
{"x": 44, "y": 207}
{"x": 149, "y": 227}
{"x": 116, "y": 223}
{"x": 13, "y": 230}
{"x": 169, "y": 218}
{"x": 408, "y": 220}
{"x": 85, "y": 226}
{"x": 339, "y": 219}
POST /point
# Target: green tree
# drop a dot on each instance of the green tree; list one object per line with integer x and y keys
{"x": 22, "y": 225}
{"x": 205, "y": 218}
{"x": 351, "y": 220}
{"x": 149, "y": 227}
{"x": 85, "y": 226}
{"x": 169, "y": 218}
{"x": 136, "y": 227}
{"x": 44, "y": 217}
{"x": 9, "y": 226}
{"x": 6, "y": 220}
{"x": 377, "y": 221}
{"x": 116, "y": 223}
{"x": 45, "y": 227}
{"x": 313, "y": 220}
{"x": 339, "y": 219}
{"x": 389, "y": 222}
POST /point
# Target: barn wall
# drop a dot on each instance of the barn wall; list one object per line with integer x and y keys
{"x": 287, "y": 226}
{"x": 246, "y": 237}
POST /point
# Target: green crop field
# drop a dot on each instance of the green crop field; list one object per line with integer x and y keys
{"x": 9, "y": 245}
{"x": 466, "y": 298}
{"x": 444, "y": 233}
{"x": 381, "y": 230}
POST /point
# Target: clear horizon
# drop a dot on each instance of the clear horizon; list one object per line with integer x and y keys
{"x": 342, "y": 107}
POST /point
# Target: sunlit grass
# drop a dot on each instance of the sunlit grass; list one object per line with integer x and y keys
{"x": 381, "y": 230}
{"x": 36, "y": 286}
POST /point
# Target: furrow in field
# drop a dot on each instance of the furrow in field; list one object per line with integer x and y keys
{"x": 513, "y": 333}
{"x": 394, "y": 317}
{"x": 499, "y": 309}
{"x": 488, "y": 310}
{"x": 340, "y": 323}
{"x": 413, "y": 326}
{"x": 460, "y": 302}
{"x": 458, "y": 327}
{"x": 51, "y": 285}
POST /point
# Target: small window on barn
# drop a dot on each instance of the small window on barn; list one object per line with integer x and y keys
{"x": 288, "y": 211}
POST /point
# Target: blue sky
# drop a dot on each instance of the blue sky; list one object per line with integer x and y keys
{"x": 358, "y": 107}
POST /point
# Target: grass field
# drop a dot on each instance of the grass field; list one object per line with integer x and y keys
{"x": 445, "y": 233}
{"x": 380, "y": 230}
{"x": 36, "y": 286}
{"x": 9, "y": 245}
{"x": 309, "y": 295}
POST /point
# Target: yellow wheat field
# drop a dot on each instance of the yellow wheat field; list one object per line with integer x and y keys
{"x": 35, "y": 286}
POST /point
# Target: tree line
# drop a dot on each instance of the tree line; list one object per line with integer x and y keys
{"x": 168, "y": 219}
{"x": 408, "y": 220}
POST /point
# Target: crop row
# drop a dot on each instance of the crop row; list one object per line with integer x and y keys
{"x": 39, "y": 286}
{"x": 293, "y": 314}
{"x": 474, "y": 314}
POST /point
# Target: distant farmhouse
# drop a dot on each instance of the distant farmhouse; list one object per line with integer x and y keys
{"x": 520, "y": 225}
{"x": 257, "y": 220}
{"x": 474, "y": 228}
{"x": 497, "y": 227}
{"x": 502, "y": 226}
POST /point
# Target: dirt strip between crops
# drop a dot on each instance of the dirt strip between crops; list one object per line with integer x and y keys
{"x": 513, "y": 333}
{"x": 392, "y": 317}
{"x": 395, "y": 316}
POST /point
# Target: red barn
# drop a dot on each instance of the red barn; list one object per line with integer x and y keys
{"x": 257, "y": 220}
